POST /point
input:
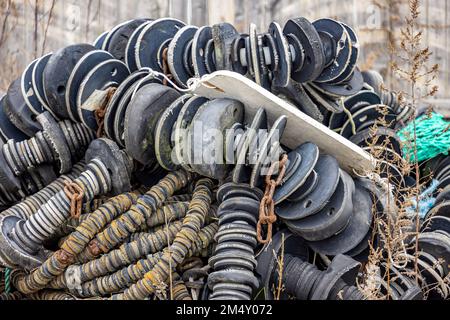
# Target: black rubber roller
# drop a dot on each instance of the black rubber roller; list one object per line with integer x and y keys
{"x": 57, "y": 73}
{"x": 141, "y": 118}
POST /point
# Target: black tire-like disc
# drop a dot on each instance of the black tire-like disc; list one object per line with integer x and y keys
{"x": 347, "y": 89}
{"x": 436, "y": 223}
{"x": 108, "y": 152}
{"x": 57, "y": 73}
{"x": 215, "y": 116}
{"x": 119, "y": 116}
{"x": 309, "y": 154}
{"x": 106, "y": 42}
{"x": 118, "y": 41}
{"x": 445, "y": 182}
{"x": 223, "y": 35}
{"x": 340, "y": 54}
{"x": 266, "y": 148}
{"x": 284, "y": 243}
{"x": 328, "y": 170}
{"x": 116, "y": 98}
{"x": 441, "y": 209}
{"x": 298, "y": 96}
{"x": 201, "y": 38}
{"x": 354, "y": 104}
{"x": 141, "y": 117}
{"x": 443, "y": 173}
{"x": 260, "y": 73}
{"x": 130, "y": 57}
{"x": 314, "y": 58}
{"x": 89, "y": 61}
{"x": 333, "y": 218}
{"x": 393, "y": 172}
{"x": 28, "y": 92}
{"x": 355, "y": 231}
{"x": 367, "y": 137}
{"x": 443, "y": 195}
{"x": 210, "y": 58}
{"x": 354, "y": 44}
{"x": 389, "y": 155}
{"x": 182, "y": 124}
{"x": 163, "y": 134}
{"x": 342, "y": 269}
{"x": 440, "y": 167}
{"x": 109, "y": 73}
{"x": 438, "y": 245}
{"x": 282, "y": 73}
{"x": 233, "y": 190}
{"x": 98, "y": 43}
{"x": 247, "y": 147}
{"x": 18, "y": 112}
{"x": 38, "y": 81}
{"x": 152, "y": 40}
{"x": 238, "y": 45}
{"x": 177, "y": 50}
{"x": 358, "y": 251}
{"x": 322, "y": 100}
{"x": 368, "y": 114}
{"x": 7, "y": 128}
{"x": 309, "y": 185}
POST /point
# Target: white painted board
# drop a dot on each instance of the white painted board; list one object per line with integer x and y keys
{"x": 300, "y": 127}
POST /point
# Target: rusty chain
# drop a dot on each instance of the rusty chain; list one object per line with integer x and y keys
{"x": 75, "y": 193}
{"x": 267, "y": 206}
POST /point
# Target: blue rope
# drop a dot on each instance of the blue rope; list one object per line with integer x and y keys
{"x": 426, "y": 201}
{"x": 8, "y": 280}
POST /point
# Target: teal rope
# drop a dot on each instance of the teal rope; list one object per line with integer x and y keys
{"x": 433, "y": 137}
{"x": 8, "y": 280}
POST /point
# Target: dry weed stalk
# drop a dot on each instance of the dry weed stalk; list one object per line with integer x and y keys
{"x": 394, "y": 229}
{"x": 280, "y": 264}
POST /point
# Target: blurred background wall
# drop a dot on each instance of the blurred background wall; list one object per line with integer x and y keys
{"x": 30, "y": 28}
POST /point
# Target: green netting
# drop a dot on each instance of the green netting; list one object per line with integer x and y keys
{"x": 433, "y": 137}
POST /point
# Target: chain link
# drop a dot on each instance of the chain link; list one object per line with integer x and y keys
{"x": 75, "y": 193}
{"x": 267, "y": 206}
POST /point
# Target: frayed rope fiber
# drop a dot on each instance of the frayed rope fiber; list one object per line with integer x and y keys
{"x": 433, "y": 137}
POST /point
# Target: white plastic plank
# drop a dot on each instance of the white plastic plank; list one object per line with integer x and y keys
{"x": 300, "y": 127}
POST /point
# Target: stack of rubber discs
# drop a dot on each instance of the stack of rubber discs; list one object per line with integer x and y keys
{"x": 401, "y": 286}
{"x": 439, "y": 168}
{"x": 155, "y": 124}
{"x": 316, "y": 200}
{"x": 73, "y": 74}
{"x": 24, "y": 100}
{"x": 322, "y": 204}
{"x": 319, "y": 57}
{"x": 433, "y": 256}
{"x": 27, "y": 184}
{"x": 403, "y": 111}
{"x": 433, "y": 259}
{"x": 234, "y": 260}
{"x": 302, "y": 279}
{"x": 371, "y": 125}
{"x": 434, "y": 239}
{"x": 60, "y": 84}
